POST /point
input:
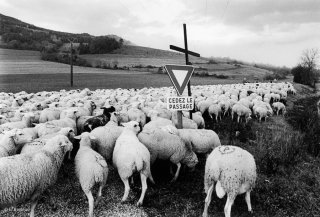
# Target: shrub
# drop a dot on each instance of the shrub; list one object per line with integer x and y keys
{"x": 279, "y": 149}
{"x": 303, "y": 75}
{"x": 212, "y": 61}
{"x": 220, "y": 76}
{"x": 304, "y": 117}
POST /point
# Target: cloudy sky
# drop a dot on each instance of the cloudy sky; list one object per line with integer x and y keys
{"x": 258, "y": 31}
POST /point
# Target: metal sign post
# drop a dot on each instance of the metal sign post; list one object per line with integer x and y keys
{"x": 186, "y": 52}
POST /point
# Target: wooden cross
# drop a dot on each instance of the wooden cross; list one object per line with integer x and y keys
{"x": 186, "y": 52}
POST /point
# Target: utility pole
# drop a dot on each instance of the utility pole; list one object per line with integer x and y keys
{"x": 71, "y": 60}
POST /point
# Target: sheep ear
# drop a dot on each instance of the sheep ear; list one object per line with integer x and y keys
{"x": 34, "y": 124}
{"x": 124, "y": 124}
{"x": 92, "y": 137}
{"x": 77, "y": 137}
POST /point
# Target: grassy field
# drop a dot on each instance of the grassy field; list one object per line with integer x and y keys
{"x": 131, "y": 56}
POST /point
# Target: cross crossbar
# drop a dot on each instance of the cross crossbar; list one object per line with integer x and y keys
{"x": 172, "y": 47}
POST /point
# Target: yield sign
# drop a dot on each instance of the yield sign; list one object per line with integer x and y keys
{"x": 179, "y": 75}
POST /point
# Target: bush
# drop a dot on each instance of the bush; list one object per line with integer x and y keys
{"x": 279, "y": 149}
{"x": 212, "y": 61}
{"x": 303, "y": 75}
{"x": 220, "y": 76}
{"x": 304, "y": 117}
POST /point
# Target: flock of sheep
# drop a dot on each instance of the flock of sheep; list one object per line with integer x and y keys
{"x": 130, "y": 129}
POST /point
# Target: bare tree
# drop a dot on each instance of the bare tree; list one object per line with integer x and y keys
{"x": 310, "y": 58}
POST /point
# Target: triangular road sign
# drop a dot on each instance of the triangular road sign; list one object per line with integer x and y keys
{"x": 179, "y": 75}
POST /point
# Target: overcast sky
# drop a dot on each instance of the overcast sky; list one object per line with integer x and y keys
{"x": 258, "y": 31}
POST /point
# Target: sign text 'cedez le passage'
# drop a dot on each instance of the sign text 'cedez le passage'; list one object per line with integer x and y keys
{"x": 180, "y": 103}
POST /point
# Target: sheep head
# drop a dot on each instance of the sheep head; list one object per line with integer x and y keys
{"x": 133, "y": 126}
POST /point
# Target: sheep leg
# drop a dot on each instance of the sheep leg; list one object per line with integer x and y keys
{"x": 33, "y": 206}
{"x": 238, "y": 118}
{"x": 229, "y": 203}
{"x": 126, "y": 189}
{"x": 34, "y": 203}
{"x": 90, "y": 201}
{"x": 248, "y": 201}
{"x": 144, "y": 188}
{"x": 177, "y": 172}
{"x": 99, "y": 194}
{"x": 207, "y": 201}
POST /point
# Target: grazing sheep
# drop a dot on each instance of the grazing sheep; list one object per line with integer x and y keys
{"x": 168, "y": 146}
{"x": 106, "y": 138}
{"x": 91, "y": 168}
{"x": 49, "y": 114}
{"x": 26, "y": 121}
{"x": 3, "y": 119}
{"x": 279, "y": 107}
{"x": 87, "y": 108}
{"x": 241, "y": 110}
{"x": 202, "y": 141}
{"x": 261, "y": 112}
{"x": 215, "y": 110}
{"x": 186, "y": 122}
{"x": 27, "y": 176}
{"x": 46, "y": 128}
{"x": 135, "y": 114}
{"x": 130, "y": 156}
{"x": 12, "y": 141}
{"x": 68, "y": 121}
{"x": 234, "y": 171}
{"x": 197, "y": 118}
{"x": 37, "y": 144}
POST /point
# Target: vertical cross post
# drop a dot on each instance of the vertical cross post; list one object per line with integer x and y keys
{"x": 187, "y": 60}
{"x": 186, "y": 52}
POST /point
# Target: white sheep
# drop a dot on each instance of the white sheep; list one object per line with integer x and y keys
{"x": 26, "y": 176}
{"x": 135, "y": 114}
{"x": 201, "y": 140}
{"x": 279, "y": 106}
{"x": 197, "y": 118}
{"x": 3, "y": 119}
{"x": 26, "y": 121}
{"x": 261, "y": 112}
{"x": 234, "y": 171}
{"x": 168, "y": 146}
{"x": 37, "y": 144}
{"x": 241, "y": 110}
{"x": 11, "y": 141}
{"x": 91, "y": 168}
{"x": 69, "y": 120}
{"x": 49, "y": 114}
{"x": 130, "y": 156}
{"x": 46, "y": 128}
{"x": 106, "y": 138}
{"x": 215, "y": 110}
{"x": 186, "y": 122}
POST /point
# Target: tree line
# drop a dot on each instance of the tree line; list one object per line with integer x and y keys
{"x": 306, "y": 71}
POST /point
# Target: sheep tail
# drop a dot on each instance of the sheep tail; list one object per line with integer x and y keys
{"x": 101, "y": 171}
{"x": 147, "y": 171}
